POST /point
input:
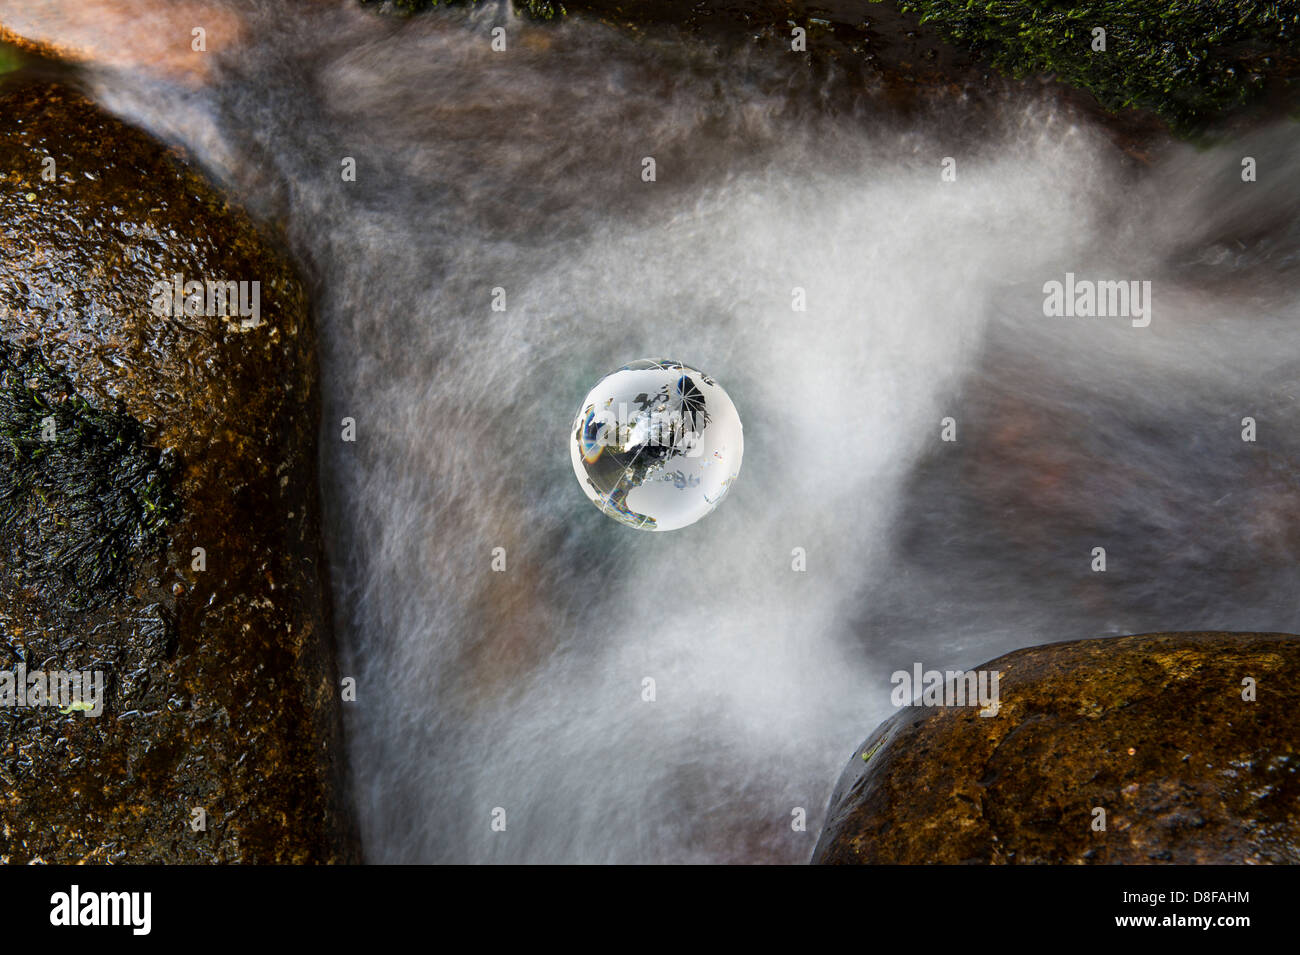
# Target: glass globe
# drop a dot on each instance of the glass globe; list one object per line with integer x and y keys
{"x": 656, "y": 444}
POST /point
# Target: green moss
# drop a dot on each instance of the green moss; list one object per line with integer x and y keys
{"x": 82, "y": 495}
{"x": 537, "y": 9}
{"x": 1187, "y": 60}
{"x": 10, "y": 59}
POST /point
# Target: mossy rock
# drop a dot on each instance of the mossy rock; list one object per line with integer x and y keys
{"x": 1152, "y": 729}
{"x": 1191, "y": 63}
{"x": 128, "y": 439}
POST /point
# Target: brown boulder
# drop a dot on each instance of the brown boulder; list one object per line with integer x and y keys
{"x": 129, "y": 438}
{"x": 1152, "y": 729}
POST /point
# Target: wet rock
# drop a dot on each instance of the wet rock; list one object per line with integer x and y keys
{"x": 132, "y": 434}
{"x": 1152, "y": 729}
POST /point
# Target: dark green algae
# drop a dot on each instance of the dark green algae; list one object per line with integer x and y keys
{"x": 83, "y": 497}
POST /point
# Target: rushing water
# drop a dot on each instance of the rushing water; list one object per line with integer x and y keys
{"x": 522, "y": 170}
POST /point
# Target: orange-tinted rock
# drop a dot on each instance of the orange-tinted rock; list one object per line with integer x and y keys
{"x": 1151, "y": 729}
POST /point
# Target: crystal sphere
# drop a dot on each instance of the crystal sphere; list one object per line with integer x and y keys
{"x": 656, "y": 444}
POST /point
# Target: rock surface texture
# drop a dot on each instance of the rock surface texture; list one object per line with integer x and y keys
{"x": 1151, "y": 729}
{"x": 158, "y": 511}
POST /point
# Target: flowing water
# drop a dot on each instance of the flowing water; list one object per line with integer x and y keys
{"x": 521, "y": 170}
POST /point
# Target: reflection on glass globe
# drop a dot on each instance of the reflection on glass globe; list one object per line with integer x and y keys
{"x": 656, "y": 444}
